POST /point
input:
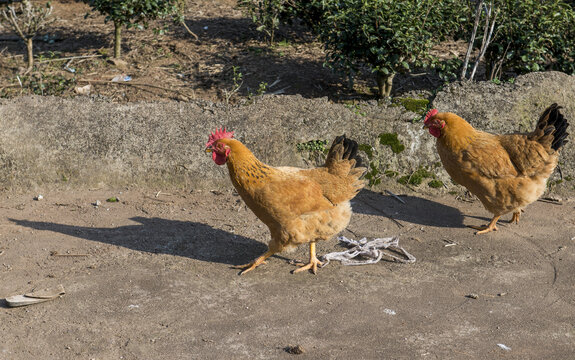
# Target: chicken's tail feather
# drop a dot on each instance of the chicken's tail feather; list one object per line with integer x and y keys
{"x": 350, "y": 148}
{"x": 343, "y": 157}
{"x": 551, "y": 128}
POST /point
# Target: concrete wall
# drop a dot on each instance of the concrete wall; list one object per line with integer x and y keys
{"x": 49, "y": 142}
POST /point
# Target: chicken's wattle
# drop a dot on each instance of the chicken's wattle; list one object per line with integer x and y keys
{"x": 435, "y": 131}
{"x": 219, "y": 159}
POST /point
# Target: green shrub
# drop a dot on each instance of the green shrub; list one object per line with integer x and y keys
{"x": 386, "y": 35}
{"x": 268, "y": 14}
{"x": 531, "y": 35}
{"x": 132, "y": 13}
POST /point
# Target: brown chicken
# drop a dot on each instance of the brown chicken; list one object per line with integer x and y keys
{"x": 506, "y": 172}
{"x": 299, "y": 206}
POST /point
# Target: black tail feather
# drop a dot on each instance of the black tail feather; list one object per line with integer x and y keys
{"x": 558, "y": 121}
{"x": 553, "y": 122}
{"x": 350, "y": 149}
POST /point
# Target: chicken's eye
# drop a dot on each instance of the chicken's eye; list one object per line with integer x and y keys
{"x": 220, "y": 148}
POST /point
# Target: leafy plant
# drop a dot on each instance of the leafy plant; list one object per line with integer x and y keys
{"x": 27, "y": 21}
{"x": 356, "y": 108}
{"x": 268, "y": 14}
{"x": 312, "y": 145}
{"x": 47, "y": 84}
{"x": 133, "y": 13}
{"x": 416, "y": 178}
{"x": 530, "y": 36}
{"x": 262, "y": 88}
{"x": 386, "y": 35}
{"x": 237, "y": 78}
{"x": 315, "y": 150}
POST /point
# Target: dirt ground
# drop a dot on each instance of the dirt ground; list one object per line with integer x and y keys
{"x": 177, "y": 66}
{"x": 150, "y": 277}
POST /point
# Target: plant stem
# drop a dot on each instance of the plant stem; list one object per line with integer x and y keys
{"x": 30, "y": 48}
{"x": 117, "y": 39}
{"x": 478, "y": 10}
{"x": 384, "y": 83}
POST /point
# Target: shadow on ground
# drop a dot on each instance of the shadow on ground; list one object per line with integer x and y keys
{"x": 413, "y": 210}
{"x": 161, "y": 236}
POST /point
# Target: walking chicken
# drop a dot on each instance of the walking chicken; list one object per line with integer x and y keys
{"x": 506, "y": 172}
{"x": 299, "y": 206}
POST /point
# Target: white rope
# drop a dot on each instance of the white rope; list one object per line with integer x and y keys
{"x": 370, "y": 252}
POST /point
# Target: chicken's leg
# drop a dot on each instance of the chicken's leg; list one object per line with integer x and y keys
{"x": 313, "y": 261}
{"x": 489, "y": 228}
{"x": 254, "y": 264}
{"x": 516, "y": 216}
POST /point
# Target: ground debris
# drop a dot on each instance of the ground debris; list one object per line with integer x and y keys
{"x": 295, "y": 350}
{"x": 369, "y": 252}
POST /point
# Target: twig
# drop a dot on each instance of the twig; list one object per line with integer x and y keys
{"x": 395, "y": 196}
{"x": 55, "y": 253}
{"x": 70, "y": 58}
{"x": 449, "y": 243}
{"x": 487, "y": 33}
{"x": 129, "y": 84}
{"x": 190, "y": 31}
{"x": 549, "y": 200}
{"x": 472, "y": 40}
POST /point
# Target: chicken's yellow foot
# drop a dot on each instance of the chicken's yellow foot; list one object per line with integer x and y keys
{"x": 313, "y": 261}
{"x": 254, "y": 264}
{"x": 515, "y": 218}
{"x": 485, "y": 229}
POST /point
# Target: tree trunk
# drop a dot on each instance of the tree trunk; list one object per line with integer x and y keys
{"x": 384, "y": 83}
{"x": 30, "y": 48}
{"x": 117, "y": 39}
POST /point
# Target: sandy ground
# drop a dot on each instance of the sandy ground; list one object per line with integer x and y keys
{"x": 150, "y": 277}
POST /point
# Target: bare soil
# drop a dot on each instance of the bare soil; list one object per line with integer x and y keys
{"x": 151, "y": 277}
{"x": 177, "y": 66}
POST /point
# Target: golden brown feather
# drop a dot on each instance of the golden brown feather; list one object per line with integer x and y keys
{"x": 506, "y": 172}
{"x": 299, "y": 206}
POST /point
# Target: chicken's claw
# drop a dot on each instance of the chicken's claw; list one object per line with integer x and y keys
{"x": 313, "y": 261}
{"x": 486, "y": 229}
{"x": 312, "y": 265}
{"x": 254, "y": 264}
{"x": 515, "y": 218}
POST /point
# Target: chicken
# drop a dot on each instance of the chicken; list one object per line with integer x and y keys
{"x": 299, "y": 206}
{"x": 506, "y": 172}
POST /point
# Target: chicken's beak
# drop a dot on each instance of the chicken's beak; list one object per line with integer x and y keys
{"x": 425, "y": 126}
{"x": 208, "y": 150}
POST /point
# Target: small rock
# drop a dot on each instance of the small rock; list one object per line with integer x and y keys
{"x": 39, "y": 197}
{"x": 97, "y": 203}
{"x": 472, "y": 296}
{"x": 83, "y": 90}
{"x": 295, "y": 350}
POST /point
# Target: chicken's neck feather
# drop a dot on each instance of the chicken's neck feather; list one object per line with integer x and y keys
{"x": 246, "y": 171}
{"x": 457, "y": 134}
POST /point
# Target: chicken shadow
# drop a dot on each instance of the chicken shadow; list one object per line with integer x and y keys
{"x": 416, "y": 210}
{"x": 161, "y": 236}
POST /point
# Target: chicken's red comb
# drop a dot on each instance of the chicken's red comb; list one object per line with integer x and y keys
{"x": 431, "y": 113}
{"x": 220, "y": 133}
